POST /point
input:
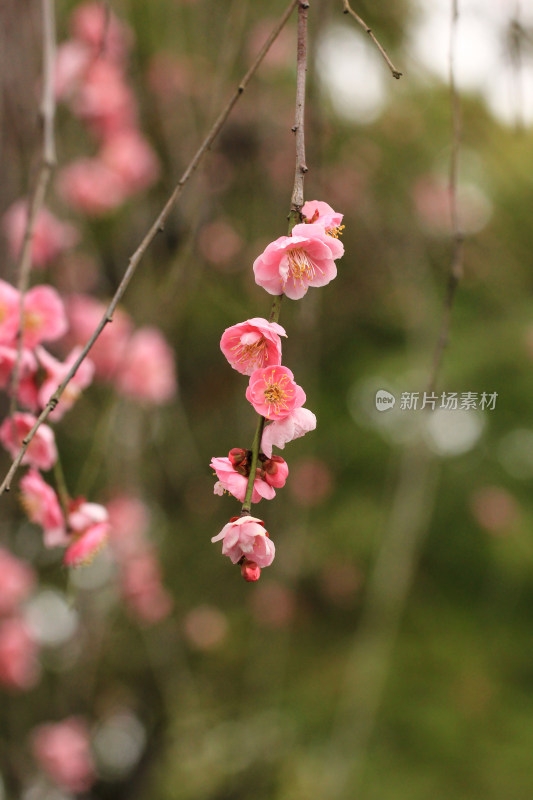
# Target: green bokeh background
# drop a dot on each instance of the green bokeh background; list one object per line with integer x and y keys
{"x": 387, "y": 653}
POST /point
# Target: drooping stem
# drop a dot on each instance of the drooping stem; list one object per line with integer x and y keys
{"x": 157, "y": 226}
{"x": 456, "y": 268}
{"x": 36, "y": 202}
{"x": 297, "y": 201}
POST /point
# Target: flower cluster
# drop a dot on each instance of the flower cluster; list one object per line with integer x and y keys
{"x": 289, "y": 265}
{"x": 91, "y": 78}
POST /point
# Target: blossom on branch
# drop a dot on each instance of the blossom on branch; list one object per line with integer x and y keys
{"x": 273, "y": 392}
{"x": 56, "y": 372}
{"x": 42, "y": 507}
{"x": 235, "y": 482}
{"x": 41, "y": 452}
{"x": 291, "y": 264}
{"x": 316, "y": 211}
{"x": 246, "y": 537}
{"x": 296, "y": 424}
{"x": 252, "y": 344}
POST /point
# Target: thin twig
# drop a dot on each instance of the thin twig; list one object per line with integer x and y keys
{"x": 156, "y": 227}
{"x": 456, "y": 269}
{"x": 48, "y": 162}
{"x": 297, "y": 201}
{"x": 349, "y": 10}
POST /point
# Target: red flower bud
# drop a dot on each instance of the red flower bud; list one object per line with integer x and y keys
{"x": 237, "y": 455}
{"x": 250, "y": 571}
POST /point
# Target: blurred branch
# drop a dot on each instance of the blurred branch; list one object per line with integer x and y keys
{"x": 349, "y": 10}
{"x": 456, "y": 270}
{"x": 48, "y": 162}
{"x": 157, "y": 226}
{"x": 297, "y": 201}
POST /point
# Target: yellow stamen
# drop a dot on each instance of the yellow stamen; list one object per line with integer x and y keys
{"x": 301, "y": 267}
{"x": 255, "y": 355}
{"x": 335, "y": 232}
{"x": 277, "y": 393}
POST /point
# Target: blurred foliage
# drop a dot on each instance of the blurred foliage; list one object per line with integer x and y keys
{"x": 251, "y": 713}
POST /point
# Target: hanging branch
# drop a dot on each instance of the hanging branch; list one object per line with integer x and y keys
{"x": 349, "y": 10}
{"x": 48, "y": 163}
{"x": 156, "y": 227}
{"x": 297, "y": 201}
{"x": 456, "y": 269}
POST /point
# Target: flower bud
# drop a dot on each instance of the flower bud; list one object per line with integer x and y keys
{"x": 237, "y": 455}
{"x": 250, "y": 571}
{"x": 276, "y": 471}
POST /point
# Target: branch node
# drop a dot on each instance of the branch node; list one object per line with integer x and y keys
{"x": 241, "y": 89}
{"x": 294, "y": 128}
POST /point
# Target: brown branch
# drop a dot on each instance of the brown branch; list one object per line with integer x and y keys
{"x": 157, "y": 226}
{"x": 456, "y": 269}
{"x": 349, "y": 10}
{"x": 297, "y": 201}
{"x": 48, "y": 162}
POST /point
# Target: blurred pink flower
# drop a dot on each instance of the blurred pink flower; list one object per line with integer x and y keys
{"x": 273, "y": 392}
{"x": 291, "y": 264}
{"x": 104, "y": 101}
{"x": 252, "y": 344}
{"x": 9, "y": 312}
{"x": 296, "y": 424}
{"x": 234, "y": 482}
{"x": 141, "y": 587}
{"x": 19, "y": 668}
{"x": 42, "y": 507}
{"x": 56, "y": 371}
{"x": 83, "y": 515}
{"x": 8, "y": 357}
{"x": 17, "y": 582}
{"x": 72, "y": 61}
{"x": 219, "y": 243}
{"x": 315, "y": 211}
{"x": 41, "y": 452}
{"x": 85, "y": 546}
{"x": 44, "y": 316}
{"x": 246, "y": 536}
{"x": 147, "y": 373}
{"x": 107, "y": 36}
{"x": 130, "y": 156}
{"x": 50, "y": 236}
{"x": 312, "y": 482}
{"x": 129, "y": 519}
{"x": 62, "y": 750}
{"x": 107, "y": 353}
{"x": 205, "y": 627}
{"x": 90, "y": 186}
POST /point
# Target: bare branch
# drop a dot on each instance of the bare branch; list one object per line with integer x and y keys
{"x": 48, "y": 162}
{"x": 157, "y": 226}
{"x": 349, "y": 10}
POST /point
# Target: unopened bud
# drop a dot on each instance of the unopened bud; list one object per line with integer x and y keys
{"x": 237, "y": 455}
{"x": 250, "y": 571}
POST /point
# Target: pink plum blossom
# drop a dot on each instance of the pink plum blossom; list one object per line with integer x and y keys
{"x": 291, "y": 264}
{"x": 273, "y": 392}
{"x": 252, "y": 344}
{"x": 72, "y": 61}
{"x": 84, "y": 547}
{"x": 19, "y": 668}
{"x": 276, "y": 471}
{"x": 8, "y": 357}
{"x": 141, "y": 587}
{"x": 62, "y": 750}
{"x": 246, "y": 536}
{"x": 104, "y": 101}
{"x": 90, "y": 186}
{"x": 42, "y": 507}
{"x": 130, "y": 156}
{"x": 9, "y": 312}
{"x": 83, "y": 515}
{"x": 44, "y": 316}
{"x": 50, "y": 236}
{"x": 315, "y": 211}
{"x": 56, "y": 372}
{"x": 103, "y": 32}
{"x": 107, "y": 353}
{"x": 129, "y": 518}
{"x": 41, "y": 452}
{"x": 17, "y": 582}
{"x": 278, "y": 433}
{"x": 234, "y": 482}
{"x": 148, "y": 372}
